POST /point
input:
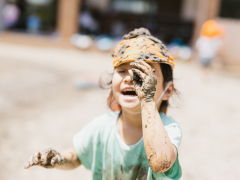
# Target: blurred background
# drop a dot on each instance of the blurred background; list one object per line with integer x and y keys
{"x": 52, "y": 53}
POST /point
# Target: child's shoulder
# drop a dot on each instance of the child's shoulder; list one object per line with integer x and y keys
{"x": 167, "y": 120}
{"x": 107, "y": 119}
{"x": 101, "y": 124}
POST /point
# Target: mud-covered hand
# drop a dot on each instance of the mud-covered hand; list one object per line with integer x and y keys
{"x": 47, "y": 158}
{"x": 144, "y": 80}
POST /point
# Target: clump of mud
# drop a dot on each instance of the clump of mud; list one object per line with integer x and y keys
{"x": 137, "y": 33}
{"x": 149, "y": 56}
{"x": 143, "y": 32}
{"x": 122, "y": 50}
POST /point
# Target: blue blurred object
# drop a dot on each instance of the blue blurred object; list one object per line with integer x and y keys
{"x": 85, "y": 83}
{"x": 81, "y": 41}
{"x": 104, "y": 42}
{"x": 179, "y": 50}
{"x": 176, "y": 42}
{"x": 33, "y": 23}
{"x": 185, "y": 53}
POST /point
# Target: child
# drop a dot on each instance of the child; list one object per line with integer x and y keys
{"x": 138, "y": 141}
{"x": 208, "y": 44}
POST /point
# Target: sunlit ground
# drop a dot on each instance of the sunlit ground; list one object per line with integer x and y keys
{"x": 41, "y": 107}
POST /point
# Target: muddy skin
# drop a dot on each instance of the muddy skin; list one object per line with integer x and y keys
{"x": 144, "y": 80}
{"x": 158, "y": 164}
{"x": 157, "y": 146}
{"x": 47, "y": 158}
{"x": 164, "y": 165}
{"x": 137, "y": 79}
{"x": 155, "y": 142}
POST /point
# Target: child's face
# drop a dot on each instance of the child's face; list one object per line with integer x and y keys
{"x": 123, "y": 88}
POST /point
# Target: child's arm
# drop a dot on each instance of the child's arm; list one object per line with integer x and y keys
{"x": 160, "y": 151}
{"x": 50, "y": 158}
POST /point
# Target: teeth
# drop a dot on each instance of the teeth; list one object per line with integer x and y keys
{"x": 128, "y": 90}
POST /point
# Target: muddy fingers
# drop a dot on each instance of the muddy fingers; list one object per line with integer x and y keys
{"x": 57, "y": 160}
{"x": 145, "y": 64}
{"x": 141, "y": 67}
{"x": 37, "y": 158}
{"x": 29, "y": 164}
{"x": 47, "y": 158}
{"x": 139, "y": 73}
{"x": 34, "y": 160}
{"x": 144, "y": 80}
{"x": 46, "y": 155}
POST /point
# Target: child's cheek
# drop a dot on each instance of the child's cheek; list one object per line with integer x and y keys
{"x": 116, "y": 85}
{"x": 159, "y": 86}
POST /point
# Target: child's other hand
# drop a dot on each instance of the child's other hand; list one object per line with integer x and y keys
{"x": 144, "y": 80}
{"x": 47, "y": 158}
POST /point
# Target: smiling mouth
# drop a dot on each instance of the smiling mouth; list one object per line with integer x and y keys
{"x": 129, "y": 92}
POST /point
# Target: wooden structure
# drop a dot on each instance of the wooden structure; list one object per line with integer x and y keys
{"x": 193, "y": 11}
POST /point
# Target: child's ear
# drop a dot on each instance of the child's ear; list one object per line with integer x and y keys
{"x": 168, "y": 93}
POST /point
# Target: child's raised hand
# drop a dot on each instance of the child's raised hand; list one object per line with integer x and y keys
{"x": 144, "y": 80}
{"x": 47, "y": 158}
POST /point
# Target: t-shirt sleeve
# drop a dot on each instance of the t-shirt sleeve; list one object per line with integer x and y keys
{"x": 174, "y": 173}
{"x": 175, "y": 135}
{"x": 85, "y": 140}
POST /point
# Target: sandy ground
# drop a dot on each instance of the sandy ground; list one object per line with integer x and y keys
{"x": 41, "y": 107}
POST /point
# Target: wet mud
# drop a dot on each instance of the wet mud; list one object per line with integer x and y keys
{"x": 164, "y": 163}
{"x": 155, "y": 148}
{"x": 143, "y": 32}
{"x": 144, "y": 80}
{"x": 137, "y": 33}
{"x": 47, "y": 158}
{"x": 121, "y": 51}
{"x": 149, "y": 56}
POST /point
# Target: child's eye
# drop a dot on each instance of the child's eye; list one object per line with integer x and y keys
{"x": 121, "y": 71}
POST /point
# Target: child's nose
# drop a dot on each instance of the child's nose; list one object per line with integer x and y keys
{"x": 127, "y": 79}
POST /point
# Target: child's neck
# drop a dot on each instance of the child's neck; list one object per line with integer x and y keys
{"x": 132, "y": 119}
{"x": 130, "y": 127}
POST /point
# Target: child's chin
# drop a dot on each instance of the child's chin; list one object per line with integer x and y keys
{"x": 131, "y": 105}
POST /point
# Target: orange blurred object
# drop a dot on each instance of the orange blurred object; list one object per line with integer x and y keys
{"x": 211, "y": 28}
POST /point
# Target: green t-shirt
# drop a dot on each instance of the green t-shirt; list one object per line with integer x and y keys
{"x": 100, "y": 149}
